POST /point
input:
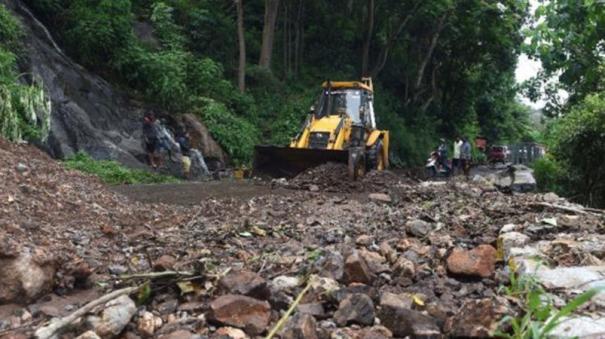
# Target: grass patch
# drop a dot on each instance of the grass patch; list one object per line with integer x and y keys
{"x": 539, "y": 316}
{"x": 112, "y": 173}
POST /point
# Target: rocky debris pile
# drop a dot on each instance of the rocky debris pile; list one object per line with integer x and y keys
{"x": 333, "y": 177}
{"x": 426, "y": 262}
{"x": 61, "y": 227}
{"x": 563, "y": 252}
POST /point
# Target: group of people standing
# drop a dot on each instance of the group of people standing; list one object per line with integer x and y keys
{"x": 461, "y": 159}
{"x": 156, "y": 139}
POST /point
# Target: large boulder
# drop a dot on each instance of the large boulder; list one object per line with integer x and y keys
{"x": 26, "y": 276}
{"x": 88, "y": 113}
{"x": 202, "y": 140}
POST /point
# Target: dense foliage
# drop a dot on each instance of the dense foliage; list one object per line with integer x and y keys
{"x": 24, "y": 108}
{"x": 112, "y": 173}
{"x": 441, "y": 68}
{"x": 568, "y": 40}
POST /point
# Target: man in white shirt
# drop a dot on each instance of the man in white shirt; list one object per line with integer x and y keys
{"x": 456, "y": 159}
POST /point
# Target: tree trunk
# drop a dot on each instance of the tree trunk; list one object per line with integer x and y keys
{"x": 429, "y": 54}
{"x": 384, "y": 53}
{"x": 271, "y": 10}
{"x": 367, "y": 41}
{"x": 241, "y": 70}
{"x": 297, "y": 37}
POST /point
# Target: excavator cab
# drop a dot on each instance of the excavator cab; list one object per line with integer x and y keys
{"x": 341, "y": 127}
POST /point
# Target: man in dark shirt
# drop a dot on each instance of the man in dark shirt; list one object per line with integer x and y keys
{"x": 152, "y": 139}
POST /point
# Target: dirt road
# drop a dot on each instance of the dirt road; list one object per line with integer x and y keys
{"x": 192, "y": 193}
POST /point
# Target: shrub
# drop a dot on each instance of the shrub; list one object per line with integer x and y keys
{"x": 548, "y": 173}
{"x": 236, "y": 135}
{"x": 112, "y": 173}
{"x": 98, "y": 30}
{"x": 10, "y": 30}
{"x": 577, "y": 142}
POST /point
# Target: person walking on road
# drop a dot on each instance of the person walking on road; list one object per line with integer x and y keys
{"x": 456, "y": 165}
{"x": 465, "y": 156}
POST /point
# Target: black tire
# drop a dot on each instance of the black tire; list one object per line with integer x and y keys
{"x": 372, "y": 155}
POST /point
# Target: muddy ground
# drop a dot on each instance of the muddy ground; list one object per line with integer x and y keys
{"x": 387, "y": 256}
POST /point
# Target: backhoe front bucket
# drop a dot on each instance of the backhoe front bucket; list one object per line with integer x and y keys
{"x": 277, "y": 162}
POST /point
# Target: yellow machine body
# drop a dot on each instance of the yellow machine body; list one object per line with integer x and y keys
{"x": 341, "y": 127}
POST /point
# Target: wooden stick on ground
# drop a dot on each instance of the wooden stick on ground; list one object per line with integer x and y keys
{"x": 54, "y": 327}
{"x": 285, "y": 317}
{"x": 155, "y": 275}
{"x": 562, "y": 208}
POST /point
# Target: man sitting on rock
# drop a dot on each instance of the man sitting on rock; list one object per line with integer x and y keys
{"x": 184, "y": 143}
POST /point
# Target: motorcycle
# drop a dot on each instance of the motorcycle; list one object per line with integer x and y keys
{"x": 433, "y": 167}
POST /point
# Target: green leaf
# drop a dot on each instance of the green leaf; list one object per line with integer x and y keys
{"x": 569, "y": 308}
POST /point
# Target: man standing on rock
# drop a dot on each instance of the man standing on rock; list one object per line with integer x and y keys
{"x": 465, "y": 156}
{"x": 151, "y": 137}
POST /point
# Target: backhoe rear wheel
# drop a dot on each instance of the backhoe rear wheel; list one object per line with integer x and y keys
{"x": 375, "y": 159}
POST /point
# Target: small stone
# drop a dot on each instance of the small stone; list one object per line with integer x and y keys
{"x": 314, "y": 309}
{"x": 331, "y": 265}
{"x": 476, "y": 318}
{"x": 478, "y": 262}
{"x": 283, "y": 282}
{"x": 342, "y": 293}
{"x": 117, "y": 269}
{"x": 21, "y": 168}
{"x": 148, "y": 323}
{"x": 380, "y": 197}
{"x": 168, "y": 306}
{"x": 322, "y": 285}
{"x": 240, "y": 311}
{"x": 404, "y": 322}
{"x": 508, "y": 228}
{"x": 364, "y": 240}
{"x": 231, "y": 332}
{"x": 404, "y": 267}
{"x": 509, "y": 240}
{"x": 164, "y": 263}
{"x": 115, "y": 316}
{"x": 418, "y": 228}
{"x": 376, "y": 262}
{"x": 88, "y": 335}
{"x": 245, "y": 283}
{"x": 357, "y": 270}
{"x": 301, "y": 326}
{"x": 313, "y": 188}
{"x": 550, "y": 197}
{"x": 26, "y": 316}
{"x": 388, "y": 252}
{"x": 396, "y": 301}
{"x": 356, "y": 308}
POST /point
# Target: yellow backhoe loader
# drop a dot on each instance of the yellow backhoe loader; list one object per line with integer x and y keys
{"x": 341, "y": 127}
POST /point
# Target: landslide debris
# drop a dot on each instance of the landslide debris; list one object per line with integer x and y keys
{"x": 413, "y": 265}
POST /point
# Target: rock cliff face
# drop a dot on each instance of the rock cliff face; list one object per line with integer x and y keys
{"x": 88, "y": 113}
